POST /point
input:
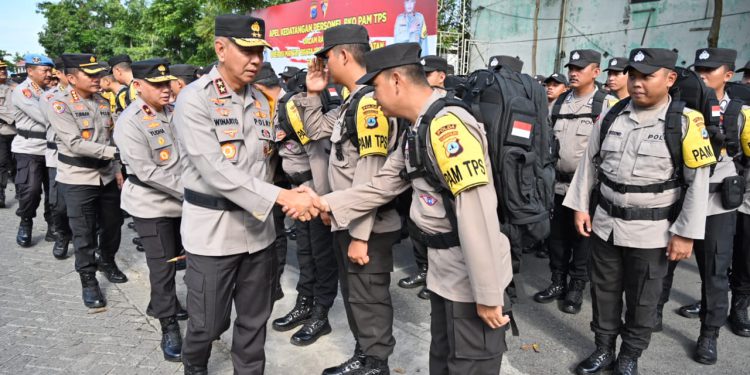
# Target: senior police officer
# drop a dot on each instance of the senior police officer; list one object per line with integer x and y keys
{"x": 30, "y": 145}
{"x": 459, "y": 225}
{"x": 617, "y": 77}
{"x": 224, "y": 133}
{"x": 362, "y": 137}
{"x": 7, "y": 131}
{"x": 573, "y": 116}
{"x": 88, "y": 173}
{"x": 642, "y": 215}
{"x": 152, "y": 193}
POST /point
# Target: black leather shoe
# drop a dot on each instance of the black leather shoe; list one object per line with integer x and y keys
{"x": 705, "y": 350}
{"x": 574, "y": 297}
{"x": 738, "y": 319}
{"x": 137, "y": 241}
{"x": 60, "y": 248}
{"x": 351, "y": 366}
{"x": 416, "y": 280}
{"x": 311, "y": 331}
{"x": 112, "y": 273}
{"x": 301, "y": 312}
{"x": 601, "y": 359}
{"x": 50, "y": 236}
{"x": 690, "y": 311}
{"x": 195, "y": 370}
{"x": 92, "y": 294}
{"x": 171, "y": 339}
{"x": 554, "y": 291}
{"x": 374, "y": 366}
{"x": 24, "y": 233}
{"x": 424, "y": 293}
{"x": 626, "y": 365}
{"x": 182, "y": 314}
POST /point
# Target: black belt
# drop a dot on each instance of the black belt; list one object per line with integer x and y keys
{"x": 435, "y": 241}
{"x": 52, "y": 145}
{"x": 564, "y": 177}
{"x": 637, "y": 213}
{"x": 653, "y": 188}
{"x": 137, "y": 181}
{"x": 210, "y": 202}
{"x": 31, "y": 134}
{"x": 83, "y": 161}
{"x": 299, "y": 178}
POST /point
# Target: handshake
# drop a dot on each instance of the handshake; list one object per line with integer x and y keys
{"x": 303, "y": 204}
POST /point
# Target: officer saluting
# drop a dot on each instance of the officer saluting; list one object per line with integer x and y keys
{"x": 152, "y": 193}
{"x": 642, "y": 152}
{"x": 88, "y": 173}
{"x": 224, "y": 132}
{"x": 458, "y": 220}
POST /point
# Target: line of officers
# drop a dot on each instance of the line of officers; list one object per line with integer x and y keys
{"x": 204, "y": 175}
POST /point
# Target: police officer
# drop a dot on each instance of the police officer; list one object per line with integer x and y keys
{"x": 88, "y": 173}
{"x": 573, "y": 116}
{"x": 7, "y": 131}
{"x": 153, "y": 193}
{"x": 435, "y": 69}
{"x": 410, "y": 26}
{"x": 185, "y": 74}
{"x": 467, "y": 321}
{"x": 513, "y": 63}
{"x": 224, "y": 133}
{"x": 30, "y": 145}
{"x": 555, "y": 85}
{"x": 58, "y": 207}
{"x": 639, "y": 222}
{"x": 617, "y": 77}
{"x": 745, "y": 70}
{"x": 123, "y": 73}
{"x": 110, "y": 87}
{"x": 287, "y": 74}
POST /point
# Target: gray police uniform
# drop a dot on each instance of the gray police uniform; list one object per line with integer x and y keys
{"x": 411, "y": 27}
{"x": 56, "y": 196}
{"x": 29, "y": 147}
{"x": 365, "y": 289}
{"x": 152, "y": 194}
{"x": 628, "y": 254}
{"x": 7, "y": 132}
{"x": 475, "y": 271}
{"x": 226, "y": 142}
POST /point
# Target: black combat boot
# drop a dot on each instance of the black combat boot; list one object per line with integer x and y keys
{"x": 603, "y": 358}
{"x": 738, "y": 319}
{"x": 554, "y": 291}
{"x": 60, "y": 248}
{"x": 692, "y": 311}
{"x": 301, "y": 312}
{"x": 50, "y": 235}
{"x": 317, "y": 326}
{"x": 112, "y": 272}
{"x": 705, "y": 349}
{"x": 374, "y": 366}
{"x": 92, "y": 294}
{"x": 627, "y": 361}
{"x": 171, "y": 339}
{"x": 24, "y": 232}
{"x": 424, "y": 293}
{"x": 419, "y": 279}
{"x": 351, "y": 366}
{"x": 574, "y": 297}
{"x": 195, "y": 370}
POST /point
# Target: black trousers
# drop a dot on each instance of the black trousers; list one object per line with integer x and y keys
{"x": 213, "y": 284}
{"x": 420, "y": 253}
{"x": 366, "y": 292}
{"x": 31, "y": 179}
{"x": 639, "y": 273}
{"x": 740, "y": 278}
{"x": 279, "y": 244}
{"x": 569, "y": 252}
{"x": 318, "y": 275}
{"x": 95, "y": 219}
{"x": 57, "y": 204}
{"x": 161, "y": 242}
{"x": 461, "y": 342}
{"x": 7, "y": 162}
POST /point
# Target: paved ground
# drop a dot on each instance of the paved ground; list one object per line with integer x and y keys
{"x": 45, "y": 329}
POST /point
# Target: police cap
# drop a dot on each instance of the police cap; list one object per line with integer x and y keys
{"x": 343, "y": 34}
{"x": 557, "y": 77}
{"x": 245, "y": 31}
{"x": 184, "y": 71}
{"x": 266, "y": 76}
{"x": 87, "y": 62}
{"x": 289, "y": 72}
{"x": 152, "y": 70}
{"x": 745, "y": 68}
{"x": 649, "y": 60}
{"x": 3, "y": 64}
{"x": 391, "y": 56}
{"x": 617, "y": 64}
{"x": 714, "y": 57}
{"x": 119, "y": 59}
{"x": 581, "y": 58}
{"x": 513, "y": 63}
{"x": 432, "y": 63}
{"x": 37, "y": 59}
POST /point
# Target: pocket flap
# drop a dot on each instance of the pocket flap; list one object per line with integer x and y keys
{"x": 658, "y": 149}
{"x": 229, "y": 133}
{"x": 195, "y": 280}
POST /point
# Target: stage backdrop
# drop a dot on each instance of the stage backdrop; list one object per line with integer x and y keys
{"x": 295, "y": 30}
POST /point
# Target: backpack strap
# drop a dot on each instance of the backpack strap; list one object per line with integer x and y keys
{"x": 597, "y": 105}
{"x": 673, "y": 136}
{"x": 283, "y": 116}
{"x": 555, "y": 114}
{"x": 606, "y": 123}
{"x": 729, "y": 122}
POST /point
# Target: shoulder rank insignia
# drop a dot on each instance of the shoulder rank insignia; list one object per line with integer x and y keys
{"x": 74, "y": 96}
{"x": 221, "y": 87}
{"x": 26, "y": 93}
{"x": 147, "y": 110}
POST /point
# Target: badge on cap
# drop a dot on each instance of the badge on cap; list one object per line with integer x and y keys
{"x": 493, "y": 62}
{"x": 36, "y": 60}
{"x": 639, "y": 56}
{"x": 255, "y": 27}
{"x": 554, "y": 75}
{"x": 92, "y": 59}
{"x": 162, "y": 69}
{"x": 704, "y": 55}
{"x": 575, "y": 56}
{"x": 614, "y": 62}
{"x": 423, "y": 62}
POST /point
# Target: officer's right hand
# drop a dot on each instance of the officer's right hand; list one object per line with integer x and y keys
{"x": 298, "y": 205}
{"x": 317, "y": 79}
{"x": 492, "y": 315}
{"x": 582, "y": 221}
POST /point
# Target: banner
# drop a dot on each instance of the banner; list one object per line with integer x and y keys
{"x": 295, "y": 30}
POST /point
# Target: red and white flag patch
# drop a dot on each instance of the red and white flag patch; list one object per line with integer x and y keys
{"x": 332, "y": 91}
{"x": 715, "y": 111}
{"x": 521, "y": 129}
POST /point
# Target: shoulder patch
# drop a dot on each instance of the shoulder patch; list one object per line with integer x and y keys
{"x": 696, "y": 146}
{"x": 458, "y": 154}
{"x": 745, "y": 136}
{"x": 296, "y": 121}
{"x": 372, "y": 128}
{"x": 59, "y": 107}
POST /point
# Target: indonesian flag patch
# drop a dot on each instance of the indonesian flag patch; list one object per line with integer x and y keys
{"x": 332, "y": 91}
{"x": 521, "y": 129}
{"x": 715, "y": 111}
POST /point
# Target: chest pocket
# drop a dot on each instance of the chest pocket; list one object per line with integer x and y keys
{"x": 84, "y": 121}
{"x": 584, "y": 128}
{"x": 162, "y": 145}
{"x": 653, "y": 161}
{"x": 230, "y": 139}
